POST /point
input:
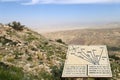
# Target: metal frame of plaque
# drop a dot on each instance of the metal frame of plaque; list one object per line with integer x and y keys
{"x": 87, "y": 61}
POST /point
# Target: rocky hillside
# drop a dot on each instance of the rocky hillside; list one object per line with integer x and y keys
{"x": 27, "y": 55}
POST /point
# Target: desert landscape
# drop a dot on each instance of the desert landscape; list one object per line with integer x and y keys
{"x": 30, "y": 55}
{"x": 105, "y": 35}
{"x": 35, "y": 36}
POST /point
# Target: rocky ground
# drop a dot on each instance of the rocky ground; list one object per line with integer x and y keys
{"x": 31, "y": 52}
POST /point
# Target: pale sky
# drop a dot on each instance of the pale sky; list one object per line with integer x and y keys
{"x": 44, "y": 13}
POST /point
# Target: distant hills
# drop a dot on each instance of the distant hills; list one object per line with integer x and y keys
{"x": 43, "y": 29}
{"x": 107, "y": 34}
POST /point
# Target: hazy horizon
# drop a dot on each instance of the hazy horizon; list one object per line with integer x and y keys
{"x": 59, "y": 13}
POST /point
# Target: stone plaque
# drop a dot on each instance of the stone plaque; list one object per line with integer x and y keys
{"x": 87, "y": 61}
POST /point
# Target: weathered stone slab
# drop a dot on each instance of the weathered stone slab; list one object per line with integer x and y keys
{"x": 87, "y": 61}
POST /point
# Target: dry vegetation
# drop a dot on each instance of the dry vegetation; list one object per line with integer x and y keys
{"x": 27, "y": 55}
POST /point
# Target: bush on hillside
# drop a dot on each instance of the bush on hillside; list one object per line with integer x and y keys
{"x": 113, "y": 48}
{"x": 60, "y": 41}
{"x": 16, "y": 25}
{"x": 57, "y": 72}
{"x": 10, "y": 72}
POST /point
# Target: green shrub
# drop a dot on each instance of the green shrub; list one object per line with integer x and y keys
{"x": 115, "y": 67}
{"x": 29, "y": 58}
{"x": 31, "y": 37}
{"x": 113, "y": 48}
{"x": 16, "y": 25}
{"x": 10, "y": 72}
{"x": 45, "y": 43}
{"x": 1, "y": 56}
{"x": 41, "y": 62}
{"x": 10, "y": 59}
{"x": 60, "y": 41}
{"x": 114, "y": 57}
{"x": 3, "y": 40}
{"x": 17, "y": 54}
{"x": 44, "y": 75}
{"x": 57, "y": 72}
{"x": 34, "y": 49}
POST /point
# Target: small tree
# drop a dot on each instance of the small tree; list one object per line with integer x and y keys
{"x": 16, "y": 25}
{"x": 60, "y": 41}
